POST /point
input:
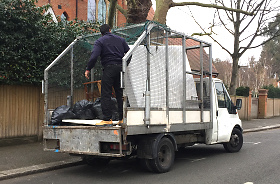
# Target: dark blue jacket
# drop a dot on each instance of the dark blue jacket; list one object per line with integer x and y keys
{"x": 111, "y": 48}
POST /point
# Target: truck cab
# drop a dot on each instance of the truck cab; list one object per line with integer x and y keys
{"x": 225, "y": 114}
{"x": 228, "y": 122}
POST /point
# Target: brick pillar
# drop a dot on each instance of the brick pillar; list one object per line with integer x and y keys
{"x": 262, "y": 107}
{"x": 249, "y": 117}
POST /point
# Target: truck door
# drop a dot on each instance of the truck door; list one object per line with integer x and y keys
{"x": 226, "y": 113}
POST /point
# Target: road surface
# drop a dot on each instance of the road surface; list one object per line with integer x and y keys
{"x": 258, "y": 162}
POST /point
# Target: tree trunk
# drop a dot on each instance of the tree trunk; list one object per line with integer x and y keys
{"x": 235, "y": 56}
{"x": 162, "y": 7}
{"x": 112, "y": 12}
{"x": 137, "y": 10}
{"x": 234, "y": 76}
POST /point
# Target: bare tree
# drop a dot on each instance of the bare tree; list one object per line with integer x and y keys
{"x": 162, "y": 7}
{"x": 266, "y": 69}
{"x": 239, "y": 25}
{"x": 270, "y": 51}
{"x": 224, "y": 68}
{"x": 236, "y": 16}
{"x": 137, "y": 10}
{"x": 256, "y": 75}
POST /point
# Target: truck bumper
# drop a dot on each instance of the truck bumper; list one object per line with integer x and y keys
{"x": 87, "y": 140}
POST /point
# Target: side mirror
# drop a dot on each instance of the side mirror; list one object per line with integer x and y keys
{"x": 238, "y": 104}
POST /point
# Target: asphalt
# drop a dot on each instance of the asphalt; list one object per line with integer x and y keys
{"x": 28, "y": 158}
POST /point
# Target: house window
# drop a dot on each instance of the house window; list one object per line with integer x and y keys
{"x": 64, "y": 17}
{"x": 102, "y": 9}
{"x": 91, "y": 10}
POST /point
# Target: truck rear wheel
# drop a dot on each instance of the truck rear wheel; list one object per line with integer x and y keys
{"x": 236, "y": 141}
{"x": 165, "y": 156}
{"x": 145, "y": 163}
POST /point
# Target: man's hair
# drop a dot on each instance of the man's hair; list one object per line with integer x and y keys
{"x": 104, "y": 29}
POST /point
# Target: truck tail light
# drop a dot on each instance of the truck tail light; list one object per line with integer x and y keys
{"x": 113, "y": 147}
{"x": 117, "y": 147}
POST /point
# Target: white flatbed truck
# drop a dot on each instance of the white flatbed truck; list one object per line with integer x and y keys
{"x": 163, "y": 109}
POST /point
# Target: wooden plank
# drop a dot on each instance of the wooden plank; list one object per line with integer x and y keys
{"x": 10, "y": 121}
{"x": 269, "y": 107}
{"x": 2, "y": 111}
{"x": 6, "y": 112}
{"x": 22, "y": 112}
{"x": 86, "y": 122}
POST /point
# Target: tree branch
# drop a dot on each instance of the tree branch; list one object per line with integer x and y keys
{"x": 277, "y": 34}
{"x": 223, "y": 23}
{"x": 209, "y": 34}
{"x": 123, "y": 11}
{"x": 112, "y": 12}
{"x": 260, "y": 21}
{"x": 118, "y": 7}
{"x": 133, "y": 3}
{"x": 211, "y": 6}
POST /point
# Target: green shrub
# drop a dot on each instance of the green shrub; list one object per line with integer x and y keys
{"x": 30, "y": 41}
{"x": 242, "y": 91}
{"x": 273, "y": 92}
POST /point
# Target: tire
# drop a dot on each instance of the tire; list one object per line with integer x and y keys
{"x": 95, "y": 161}
{"x": 145, "y": 163}
{"x": 235, "y": 143}
{"x": 165, "y": 156}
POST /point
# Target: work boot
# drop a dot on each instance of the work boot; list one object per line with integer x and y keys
{"x": 120, "y": 122}
{"x": 105, "y": 123}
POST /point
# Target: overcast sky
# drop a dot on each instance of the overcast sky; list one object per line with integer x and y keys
{"x": 179, "y": 19}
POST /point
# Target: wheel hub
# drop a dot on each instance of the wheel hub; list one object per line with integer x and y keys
{"x": 163, "y": 155}
{"x": 234, "y": 140}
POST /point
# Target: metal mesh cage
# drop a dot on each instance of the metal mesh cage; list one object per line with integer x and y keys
{"x": 159, "y": 65}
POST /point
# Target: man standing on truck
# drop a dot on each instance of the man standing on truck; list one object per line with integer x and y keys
{"x": 111, "y": 48}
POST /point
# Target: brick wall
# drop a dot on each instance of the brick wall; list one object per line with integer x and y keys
{"x": 120, "y": 17}
{"x": 262, "y": 109}
{"x": 68, "y": 6}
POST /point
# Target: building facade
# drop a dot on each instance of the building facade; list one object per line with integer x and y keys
{"x": 88, "y": 10}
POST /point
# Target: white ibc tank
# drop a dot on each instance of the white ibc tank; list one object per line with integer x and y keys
{"x": 137, "y": 75}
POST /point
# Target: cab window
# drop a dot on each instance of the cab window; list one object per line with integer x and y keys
{"x": 223, "y": 98}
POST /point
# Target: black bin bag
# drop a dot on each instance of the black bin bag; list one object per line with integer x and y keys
{"x": 98, "y": 110}
{"x": 84, "y": 110}
{"x": 60, "y": 113}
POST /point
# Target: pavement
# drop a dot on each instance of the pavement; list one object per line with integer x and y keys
{"x": 28, "y": 158}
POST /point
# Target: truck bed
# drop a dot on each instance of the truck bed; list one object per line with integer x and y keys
{"x": 83, "y": 137}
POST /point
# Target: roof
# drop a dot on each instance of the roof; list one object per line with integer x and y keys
{"x": 194, "y": 55}
{"x": 151, "y": 14}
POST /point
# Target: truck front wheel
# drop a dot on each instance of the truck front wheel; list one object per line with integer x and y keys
{"x": 236, "y": 141}
{"x": 165, "y": 156}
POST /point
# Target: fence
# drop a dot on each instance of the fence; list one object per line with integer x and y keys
{"x": 21, "y": 111}
{"x": 273, "y": 107}
{"x": 244, "y": 112}
{"x": 254, "y": 110}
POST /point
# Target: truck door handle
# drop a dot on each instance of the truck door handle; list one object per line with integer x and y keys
{"x": 217, "y": 113}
